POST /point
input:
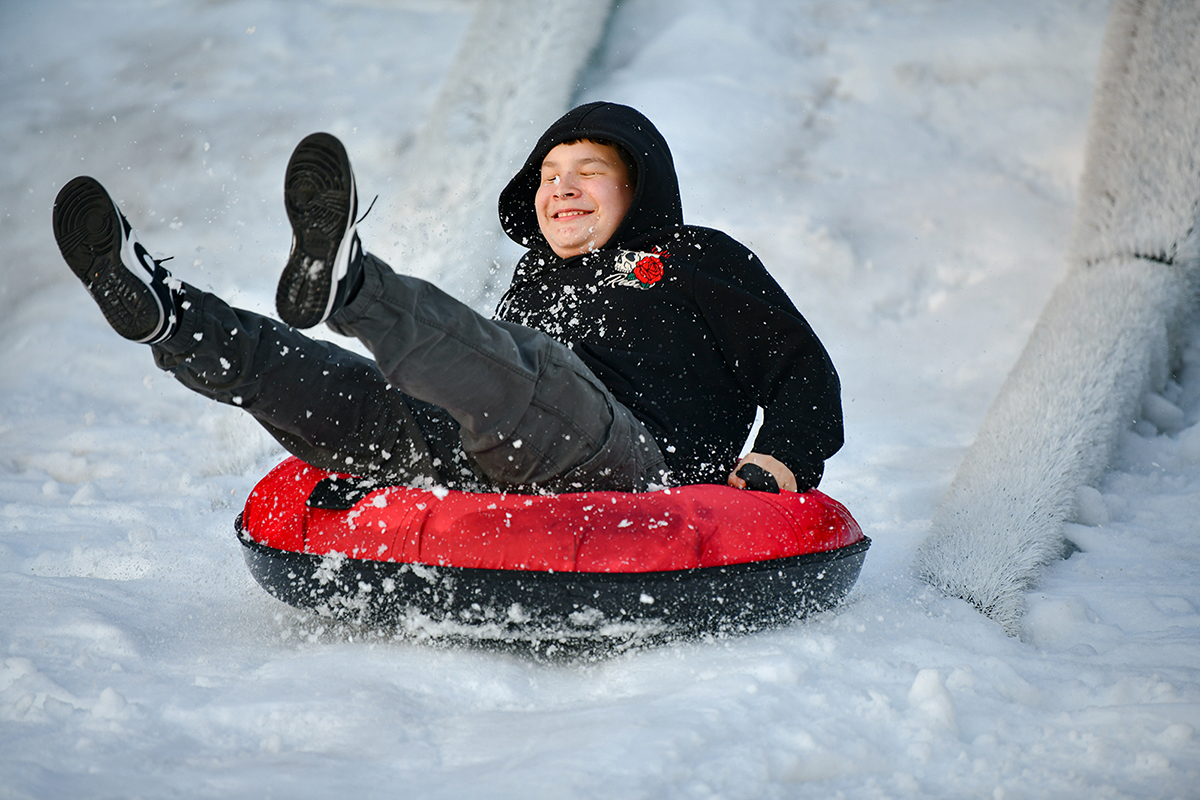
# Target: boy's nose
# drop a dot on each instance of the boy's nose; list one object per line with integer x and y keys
{"x": 565, "y": 187}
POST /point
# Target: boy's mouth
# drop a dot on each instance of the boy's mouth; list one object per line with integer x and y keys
{"x": 573, "y": 212}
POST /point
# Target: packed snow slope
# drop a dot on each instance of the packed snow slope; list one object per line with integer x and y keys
{"x": 909, "y": 172}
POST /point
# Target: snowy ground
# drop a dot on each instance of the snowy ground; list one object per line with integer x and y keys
{"x": 906, "y": 168}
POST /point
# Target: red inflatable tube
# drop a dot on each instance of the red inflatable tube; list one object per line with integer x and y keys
{"x": 471, "y": 557}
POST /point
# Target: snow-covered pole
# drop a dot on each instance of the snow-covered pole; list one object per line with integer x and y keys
{"x": 515, "y": 72}
{"x": 1107, "y": 334}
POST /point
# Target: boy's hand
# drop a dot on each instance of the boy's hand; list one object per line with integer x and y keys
{"x": 782, "y": 475}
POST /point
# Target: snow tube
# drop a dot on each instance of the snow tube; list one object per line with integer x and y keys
{"x": 692, "y": 559}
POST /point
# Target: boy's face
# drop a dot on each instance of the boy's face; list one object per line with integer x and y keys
{"x": 582, "y": 198}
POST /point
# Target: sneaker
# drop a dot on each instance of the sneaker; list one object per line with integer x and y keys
{"x": 98, "y": 244}
{"x": 321, "y": 202}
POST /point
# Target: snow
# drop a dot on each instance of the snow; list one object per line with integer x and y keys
{"x": 907, "y": 169}
{"x": 1110, "y": 333}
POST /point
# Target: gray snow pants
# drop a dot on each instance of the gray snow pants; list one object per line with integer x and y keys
{"x": 451, "y": 399}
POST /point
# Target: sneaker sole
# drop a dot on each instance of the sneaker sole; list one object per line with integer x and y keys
{"x": 89, "y": 230}
{"x": 320, "y": 199}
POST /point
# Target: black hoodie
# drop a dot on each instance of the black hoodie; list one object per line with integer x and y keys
{"x": 683, "y": 324}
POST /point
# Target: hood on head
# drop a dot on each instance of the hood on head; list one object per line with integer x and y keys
{"x": 656, "y": 202}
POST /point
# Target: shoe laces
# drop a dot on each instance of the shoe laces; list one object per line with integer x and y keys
{"x": 368, "y": 211}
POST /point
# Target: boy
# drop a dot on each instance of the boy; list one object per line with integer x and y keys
{"x": 630, "y": 351}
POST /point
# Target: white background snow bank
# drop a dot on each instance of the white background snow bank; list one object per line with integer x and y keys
{"x": 908, "y": 170}
{"x": 1109, "y": 333}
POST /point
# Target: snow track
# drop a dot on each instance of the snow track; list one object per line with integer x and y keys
{"x": 1110, "y": 333}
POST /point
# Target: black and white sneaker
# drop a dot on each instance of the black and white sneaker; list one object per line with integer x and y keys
{"x": 321, "y": 202}
{"x": 98, "y": 244}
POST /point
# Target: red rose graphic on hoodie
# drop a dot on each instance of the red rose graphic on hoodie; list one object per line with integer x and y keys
{"x": 649, "y": 269}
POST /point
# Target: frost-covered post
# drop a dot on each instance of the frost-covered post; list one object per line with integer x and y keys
{"x": 1107, "y": 333}
{"x": 515, "y": 73}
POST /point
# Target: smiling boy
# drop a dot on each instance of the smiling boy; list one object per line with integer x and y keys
{"x": 682, "y": 323}
{"x": 630, "y": 351}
